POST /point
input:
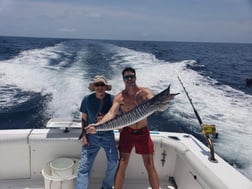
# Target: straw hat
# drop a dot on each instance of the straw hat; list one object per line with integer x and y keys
{"x": 99, "y": 79}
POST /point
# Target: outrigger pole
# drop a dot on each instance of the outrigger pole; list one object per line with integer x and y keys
{"x": 205, "y": 129}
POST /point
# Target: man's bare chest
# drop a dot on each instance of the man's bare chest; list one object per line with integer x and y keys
{"x": 129, "y": 103}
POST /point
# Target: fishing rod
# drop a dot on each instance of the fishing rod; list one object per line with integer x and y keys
{"x": 190, "y": 100}
{"x": 205, "y": 128}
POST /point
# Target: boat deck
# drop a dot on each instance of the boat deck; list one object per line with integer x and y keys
{"x": 94, "y": 184}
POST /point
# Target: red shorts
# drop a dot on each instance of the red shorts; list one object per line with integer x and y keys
{"x": 140, "y": 138}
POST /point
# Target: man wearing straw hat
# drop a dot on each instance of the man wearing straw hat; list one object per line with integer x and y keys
{"x": 93, "y": 107}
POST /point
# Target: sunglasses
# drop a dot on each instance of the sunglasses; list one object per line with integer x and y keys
{"x": 99, "y": 84}
{"x": 127, "y": 77}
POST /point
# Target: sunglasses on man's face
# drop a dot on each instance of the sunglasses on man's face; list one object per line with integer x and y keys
{"x": 127, "y": 77}
{"x": 99, "y": 84}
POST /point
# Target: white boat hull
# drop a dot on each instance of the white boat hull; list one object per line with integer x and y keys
{"x": 178, "y": 156}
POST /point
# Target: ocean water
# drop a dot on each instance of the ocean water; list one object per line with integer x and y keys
{"x": 47, "y": 78}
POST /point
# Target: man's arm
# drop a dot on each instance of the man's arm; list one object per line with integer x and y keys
{"x": 144, "y": 94}
{"x": 83, "y": 124}
{"x": 83, "y": 120}
{"x": 149, "y": 93}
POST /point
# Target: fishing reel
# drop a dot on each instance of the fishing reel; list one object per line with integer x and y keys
{"x": 207, "y": 129}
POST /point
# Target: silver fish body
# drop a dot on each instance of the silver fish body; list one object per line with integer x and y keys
{"x": 158, "y": 103}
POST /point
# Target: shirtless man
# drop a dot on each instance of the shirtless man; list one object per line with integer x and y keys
{"x": 136, "y": 135}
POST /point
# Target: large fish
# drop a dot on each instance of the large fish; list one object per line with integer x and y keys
{"x": 158, "y": 103}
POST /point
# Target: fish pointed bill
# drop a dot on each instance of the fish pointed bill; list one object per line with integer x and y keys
{"x": 172, "y": 95}
{"x": 164, "y": 103}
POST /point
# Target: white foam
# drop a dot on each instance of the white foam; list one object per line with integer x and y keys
{"x": 29, "y": 71}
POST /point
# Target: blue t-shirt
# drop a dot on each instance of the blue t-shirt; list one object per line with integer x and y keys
{"x": 92, "y": 106}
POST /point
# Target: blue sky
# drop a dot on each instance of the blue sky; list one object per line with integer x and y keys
{"x": 161, "y": 20}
